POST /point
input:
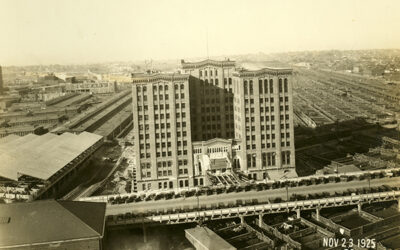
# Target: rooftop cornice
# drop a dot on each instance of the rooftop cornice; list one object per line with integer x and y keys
{"x": 207, "y": 62}
{"x": 143, "y": 78}
{"x": 264, "y": 71}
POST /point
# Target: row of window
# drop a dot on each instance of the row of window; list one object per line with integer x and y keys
{"x": 226, "y": 81}
{"x": 206, "y": 72}
{"x": 145, "y": 155}
{"x": 163, "y": 154}
{"x": 268, "y": 159}
{"x": 164, "y": 164}
{"x": 165, "y": 184}
{"x": 285, "y": 156}
{"x": 159, "y": 87}
{"x": 162, "y": 173}
{"x": 264, "y": 87}
{"x": 146, "y": 174}
{"x": 267, "y": 145}
{"x": 166, "y": 97}
{"x": 165, "y": 87}
{"x": 183, "y": 171}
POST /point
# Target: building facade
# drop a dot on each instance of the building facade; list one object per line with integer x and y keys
{"x": 161, "y": 118}
{"x": 212, "y": 99}
{"x": 247, "y": 116}
{"x": 263, "y": 107}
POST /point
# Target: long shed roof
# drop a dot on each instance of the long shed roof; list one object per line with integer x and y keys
{"x": 41, "y": 156}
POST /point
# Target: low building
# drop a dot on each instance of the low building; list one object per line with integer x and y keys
{"x": 52, "y": 224}
{"x": 35, "y": 167}
{"x": 101, "y": 87}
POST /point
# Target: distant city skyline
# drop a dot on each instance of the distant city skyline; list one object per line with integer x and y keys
{"x": 66, "y": 32}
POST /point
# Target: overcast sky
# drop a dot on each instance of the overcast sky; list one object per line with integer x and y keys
{"x": 68, "y": 31}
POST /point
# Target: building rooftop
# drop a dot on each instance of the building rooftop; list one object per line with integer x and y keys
{"x": 41, "y": 156}
{"x": 207, "y": 239}
{"x": 207, "y": 62}
{"x": 31, "y": 223}
{"x": 143, "y": 77}
{"x": 257, "y": 71}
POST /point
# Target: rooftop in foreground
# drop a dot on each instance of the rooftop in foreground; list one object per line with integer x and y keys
{"x": 204, "y": 238}
{"x": 31, "y": 223}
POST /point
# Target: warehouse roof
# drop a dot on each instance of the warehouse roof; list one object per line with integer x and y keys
{"x": 42, "y": 156}
{"x": 50, "y": 221}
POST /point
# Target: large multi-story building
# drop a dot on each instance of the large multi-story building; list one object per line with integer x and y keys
{"x": 244, "y": 117}
{"x": 264, "y": 122}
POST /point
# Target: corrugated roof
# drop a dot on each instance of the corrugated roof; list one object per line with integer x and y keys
{"x": 42, "y": 156}
{"x": 48, "y": 221}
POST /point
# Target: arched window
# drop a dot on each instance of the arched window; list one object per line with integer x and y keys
{"x": 245, "y": 87}
{"x": 216, "y": 82}
{"x": 285, "y": 85}
{"x": 182, "y": 86}
{"x": 266, "y": 86}
{"x": 201, "y": 73}
{"x": 260, "y": 86}
{"x": 271, "y": 86}
{"x": 160, "y": 87}
{"x": 280, "y": 86}
{"x": 251, "y": 86}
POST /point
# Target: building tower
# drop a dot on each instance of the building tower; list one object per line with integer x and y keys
{"x": 212, "y": 99}
{"x": 264, "y": 122}
{"x": 161, "y": 118}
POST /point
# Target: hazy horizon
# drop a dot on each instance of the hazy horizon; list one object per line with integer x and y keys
{"x": 87, "y": 32}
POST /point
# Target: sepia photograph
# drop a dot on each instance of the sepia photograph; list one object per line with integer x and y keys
{"x": 199, "y": 124}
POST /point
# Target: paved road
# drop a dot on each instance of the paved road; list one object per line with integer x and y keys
{"x": 261, "y": 196}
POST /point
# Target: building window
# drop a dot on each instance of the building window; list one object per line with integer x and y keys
{"x": 286, "y": 85}
{"x": 265, "y": 86}
{"x": 271, "y": 86}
